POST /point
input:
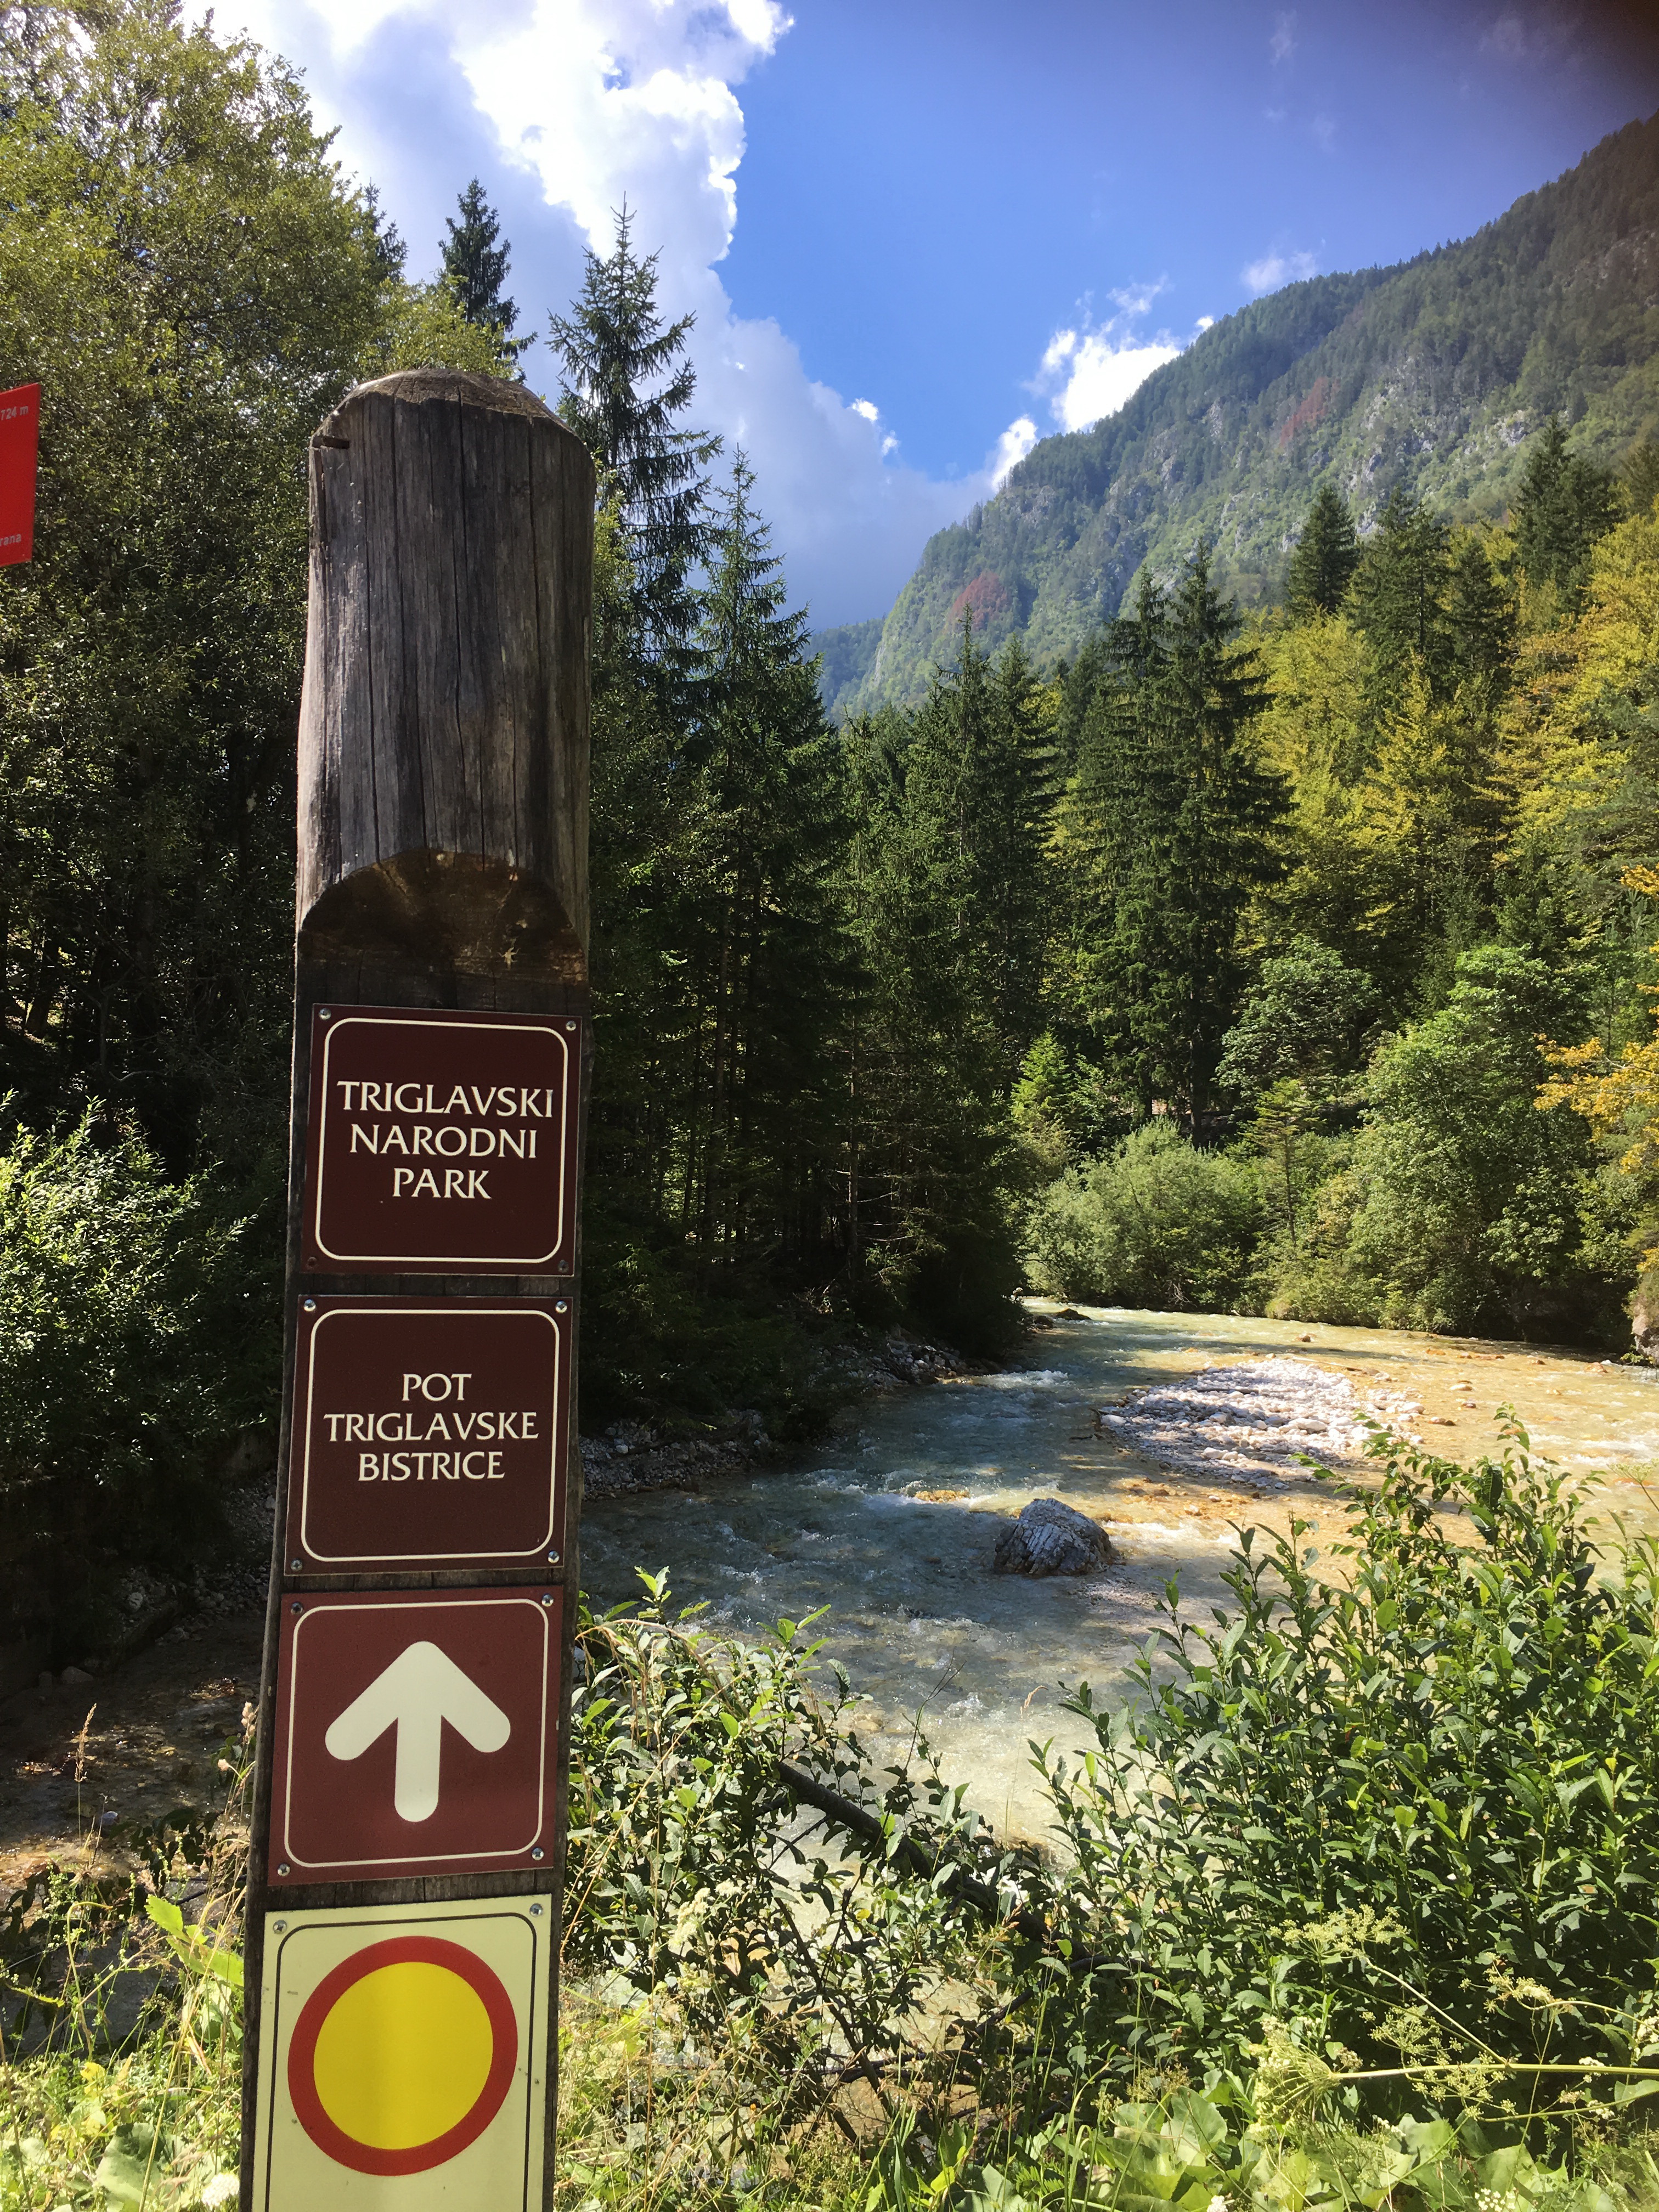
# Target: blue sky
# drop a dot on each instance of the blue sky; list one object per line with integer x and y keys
{"x": 919, "y": 233}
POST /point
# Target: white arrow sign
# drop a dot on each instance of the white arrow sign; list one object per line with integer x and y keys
{"x": 421, "y": 1690}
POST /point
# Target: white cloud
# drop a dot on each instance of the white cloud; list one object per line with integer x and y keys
{"x": 1282, "y": 45}
{"x": 1324, "y": 128}
{"x": 1276, "y": 268}
{"x": 1089, "y": 371}
{"x": 564, "y": 107}
{"x": 1010, "y": 448}
{"x": 1099, "y": 372}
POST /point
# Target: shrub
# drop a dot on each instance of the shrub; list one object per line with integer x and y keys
{"x": 1155, "y": 1222}
{"x": 1469, "y": 1200}
{"x": 134, "y": 1349}
{"x": 1417, "y": 1815}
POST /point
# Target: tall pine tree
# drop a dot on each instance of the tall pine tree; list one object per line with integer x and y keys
{"x": 1178, "y": 819}
{"x": 627, "y": 384}
{"x": 475, "y": 267}
{"x": 766, "y": 951}
{"x": 1399, "y": 601}
{"x": 1562, "y": 505}
{"x": 1326, "y": 556}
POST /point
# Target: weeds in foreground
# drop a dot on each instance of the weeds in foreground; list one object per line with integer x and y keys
{"x": 121, "y": 2083}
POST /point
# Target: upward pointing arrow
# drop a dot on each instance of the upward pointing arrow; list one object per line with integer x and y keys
{"x": 421, "y": 1690}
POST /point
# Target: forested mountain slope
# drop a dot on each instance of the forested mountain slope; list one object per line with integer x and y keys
{"x": 1432, "y": 374}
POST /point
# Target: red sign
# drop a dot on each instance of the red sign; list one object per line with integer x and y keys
{"x": 441, "y": 1143}
{"x": 20, "y": 448}
{"x": 428, "y": 1432}
{"x": 414, "y": 1734}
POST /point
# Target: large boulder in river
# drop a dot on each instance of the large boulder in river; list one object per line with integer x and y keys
{"x": 1052, "y": 1539}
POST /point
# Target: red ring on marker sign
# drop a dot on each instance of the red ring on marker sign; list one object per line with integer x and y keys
{"x": 414, "y": 2158}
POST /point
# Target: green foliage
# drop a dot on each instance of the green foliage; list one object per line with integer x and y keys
{"x": 1412, "y": 1810}
{"x": 627, "y": 384}
{"x": 692, "y": 1878}
{"x": 1201, "y": 2148}
{"x": 1327, "y": 554}
{"x": 1169, "y": 825}
{"x": 1562, "y": 505}
{"x": 1301, "y": 1019}
{"x": 1155, "y": 1222}
{"x": 123, "y": 2079}
{"x": 185, "y": 274}
{"x": 1400, "y": 596}
{"x": 947, "y": 888}
{"x": 1468, "y": 1197}
{"x": 138, "y": 1345}
{"x": 475, "y": 267}
{"x": 1640, "y": 473}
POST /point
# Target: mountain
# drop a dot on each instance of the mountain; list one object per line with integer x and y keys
{"x": 1433, "y": 373}
{"x": 847, "y": 653}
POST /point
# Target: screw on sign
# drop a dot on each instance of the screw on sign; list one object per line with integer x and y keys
{"x": 402, "y": 2046}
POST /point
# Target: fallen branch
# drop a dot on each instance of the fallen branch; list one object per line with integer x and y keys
{"x": 848, "y": 1813}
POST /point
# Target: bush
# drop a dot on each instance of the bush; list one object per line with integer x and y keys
{"x": 135, "y": 1348}
{"x": 1469, "y": 1200}
{"x": 1416, "y": 1817}
{"x": 1156, "y": 1222}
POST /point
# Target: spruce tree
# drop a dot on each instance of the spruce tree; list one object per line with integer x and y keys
{"x": 1562, "y": 505}
{"x": 1480, "y": 617}
{"x": 766, "y": 948}
{"x": 930, "y": 1066}
{"x": 1400, "y": 600}
{"x": 627, "y": 384}
{"x": 1326, "y": 556}
{"x": 982, "y": 758}
{"x": 1178, "y": 818}
{"x": 475, "y": 267}
{"x": 1640, "y": 473}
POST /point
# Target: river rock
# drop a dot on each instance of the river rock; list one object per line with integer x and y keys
{"x": 1052, "y": 1539}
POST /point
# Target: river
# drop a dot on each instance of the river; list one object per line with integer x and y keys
{"x": 916, "y": 1615}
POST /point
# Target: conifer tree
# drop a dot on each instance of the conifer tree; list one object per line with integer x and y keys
{"x": 1399, "y": 600}
{"x": 1326, "y": 556}
{"x": 1480, "y": 617}
{"x": 475, "y": 267}
{"x": 1563, "y": 504}
{"x": 627, "y": 384}
{"x": 1640, "y": 473}
{"x": 767, "y": 947}
{"x": 933, "y": 1069}
{"x": 1179, "y": 818}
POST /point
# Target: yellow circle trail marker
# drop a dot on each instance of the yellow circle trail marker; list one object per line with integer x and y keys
{"x": 405, "y": 2057}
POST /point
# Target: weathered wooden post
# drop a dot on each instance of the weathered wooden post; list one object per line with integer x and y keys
{"x": 403, "y": 1885}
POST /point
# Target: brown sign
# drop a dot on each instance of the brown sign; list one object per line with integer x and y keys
{"x": 428, "y": 1432}
{"x": 416, "y": 1734}
{"x": 441, "y": 1142}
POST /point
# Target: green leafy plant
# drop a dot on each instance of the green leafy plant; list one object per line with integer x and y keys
{"x": 1415, "y": 1812}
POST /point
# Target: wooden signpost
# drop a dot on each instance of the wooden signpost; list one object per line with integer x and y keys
{"x": 403, "y": 1885}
